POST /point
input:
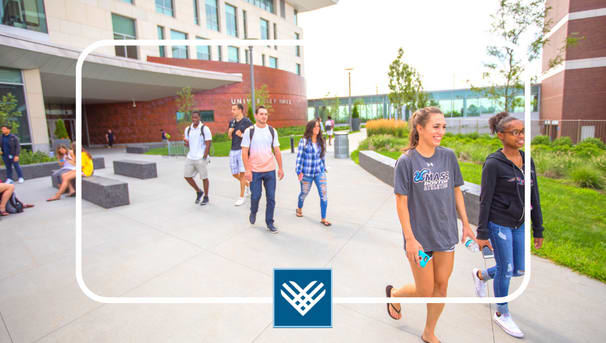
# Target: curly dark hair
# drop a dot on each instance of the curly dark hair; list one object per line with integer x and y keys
{"x": 309, "y": 131}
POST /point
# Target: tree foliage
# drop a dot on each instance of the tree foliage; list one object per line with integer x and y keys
{"x": 404, "y": 84}
{"x": 185, "y": 100}
{"x": 9, "y": 112}
{"x": 60, "y": 130}
{"x": 331, "y": 107}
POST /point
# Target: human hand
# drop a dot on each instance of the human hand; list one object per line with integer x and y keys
{"x": 538, "y": 243}
{"x": 248, "y": 175}
{"x": 16, "y": 159}
{"x": 412, "y": 250}
{"x": 300, "y": 177}
{"x": 280, "y": 174}
{"x": 484, "y": 243}
{"x": 467, "y": 233}
{"x": 238, "y": 133}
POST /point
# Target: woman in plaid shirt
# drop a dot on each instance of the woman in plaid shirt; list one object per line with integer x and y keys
{"x": 311, "y": 167}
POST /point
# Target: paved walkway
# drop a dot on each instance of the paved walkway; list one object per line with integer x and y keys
{"x": 164, "y": 245}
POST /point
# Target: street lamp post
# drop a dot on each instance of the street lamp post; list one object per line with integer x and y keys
{"x": 349, "y": 100}
{"x": 252, "y": 79}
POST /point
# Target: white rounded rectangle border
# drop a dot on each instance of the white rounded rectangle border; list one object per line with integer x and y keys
{"x": 268, "y": 300}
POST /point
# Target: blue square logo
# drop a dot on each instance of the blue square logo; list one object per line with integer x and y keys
{"x": 302, "y": 298}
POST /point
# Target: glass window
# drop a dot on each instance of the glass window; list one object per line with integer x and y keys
{"x": 207, "y": 116}
{"x": 212, "y": 15}
{"x": 297, "y": 48}
{"x": 296, "y": 17}
{"x": 246, "y": 56}
{"x": 161, "y": 36}
{"x": 165, "y": 7}
{"x": 263, "y": 59}
{"x": 233, "y": 54}
{"x": 128, "y": 1}
{"x": 11, "y": 82}
{"x": 267, "y": 5}
{"x": 282, "y": 9}
{"x": 273, "y": 62}
{"x": 275, "y": 35}
{"x": 231, "y": 20}
{"x": 196, "y": 13}
{"x": 298, "y": 69}
{"x": 179, "y": 51}
{"x": 219, "y": 54}
{"x": 245, "y": 24}
{"x": 124, "y": 28}
{"x": 203, "y": 51}
{"x": 264, "y": 29}
{"x": 24, "y": 14}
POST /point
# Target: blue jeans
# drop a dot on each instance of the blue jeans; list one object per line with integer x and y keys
{"x": 320, "y": 181}
{"x": 9, "y": 163}
{"x": 508, "y": 245}
{"x": 269, "y": 182}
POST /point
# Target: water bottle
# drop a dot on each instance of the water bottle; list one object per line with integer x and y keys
{"x": 471, "y": 245}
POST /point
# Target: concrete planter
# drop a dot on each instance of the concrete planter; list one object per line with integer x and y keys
{"x": 355, "y": 124}
{"x": 32, "y": 171}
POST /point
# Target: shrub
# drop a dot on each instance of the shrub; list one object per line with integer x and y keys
{"x": 291, "y": 130}
{"x": 587, "y": 150}
{"x": 385, "y": 142}
{"x": 594, "y": 141}
{"x": 599, "y": 162}
{"x": 587, "y": 177}
{"x": 29, "y": 157}
{"x": 396, "y": 128}
{"x": 562, "y": 141}
{"x": 356, "y": 112}
{"x": 60, "y": 130}
{"x": 220, "y": 137}
{"x": 544, "y": 140}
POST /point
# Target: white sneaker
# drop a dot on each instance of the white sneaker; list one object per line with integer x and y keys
{"x": 480, "y": 285}
{"x": 239, "y": 202}
{"x": 508, "y": 325}
{"x": 21, "y": 180}
{"x": 9, "y": 181}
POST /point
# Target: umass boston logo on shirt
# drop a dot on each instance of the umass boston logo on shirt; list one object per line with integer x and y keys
{"x": 431, "y": 180}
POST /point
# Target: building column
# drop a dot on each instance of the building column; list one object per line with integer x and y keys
{"x": 35, "y": 110}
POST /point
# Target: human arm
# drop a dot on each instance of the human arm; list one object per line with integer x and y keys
{"x": 488, "y": 184}
{"x": 245, "y": 160}
{"x": 299, "y": 160}
{"x": 279, "y": 159}
{"x": 230, "y": 129}
{"x": 412, "y": 245}
{"x": 535, "y": 212}
{"x": 207, "y": 141}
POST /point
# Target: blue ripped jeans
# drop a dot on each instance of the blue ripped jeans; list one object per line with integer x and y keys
{"x": 320, "y": 180}
{"x": 508, "y": 245}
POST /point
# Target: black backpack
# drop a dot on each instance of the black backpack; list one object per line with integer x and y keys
{"x": 14, "y": 205}
{"x": 251, "y": 132}
{"x": 201, "y": 131}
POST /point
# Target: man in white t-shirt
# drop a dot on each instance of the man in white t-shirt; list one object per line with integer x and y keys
{"x": 197, "y": 137}
{"x": 259, "y": 145}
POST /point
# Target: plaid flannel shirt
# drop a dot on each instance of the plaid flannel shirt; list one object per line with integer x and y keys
{"x": 309, "y": 161}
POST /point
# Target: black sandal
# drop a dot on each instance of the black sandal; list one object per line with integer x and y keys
{"x": 388, "y": 294}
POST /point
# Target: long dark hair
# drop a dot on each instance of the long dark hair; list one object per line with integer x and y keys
{"x": 309, "y": 131}
{"x": 420, "y": 117}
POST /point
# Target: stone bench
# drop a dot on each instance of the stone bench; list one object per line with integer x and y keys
{"x": 138, "y": 169}
{"x": 142, "y": 148}
{"x": 105, "y": 192}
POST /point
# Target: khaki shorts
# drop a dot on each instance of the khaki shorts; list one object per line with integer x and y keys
{"x": 193, "y": 167}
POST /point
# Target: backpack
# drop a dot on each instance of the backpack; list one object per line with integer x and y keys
{"x": 251, "y": 132}
{"x": 201, "y": 131}
{"x": 14, "y": 205}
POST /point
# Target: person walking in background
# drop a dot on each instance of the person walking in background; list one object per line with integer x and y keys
{"x": 427, "y": 181}
{"x": 330, "y": 126}
{"x": 110, "y": 138}
{"x": 11, "y": 149}
{"x": 311, "y": 168}
{"x": 198, "y": 138}
{"x": 235, "y": 132}
{"x": 501, "y": 220}
{"x": 259, "y": 145}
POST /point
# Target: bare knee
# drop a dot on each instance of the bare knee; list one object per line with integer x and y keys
{"x": 440, "y": 289}
{"x": 425, "y": 292}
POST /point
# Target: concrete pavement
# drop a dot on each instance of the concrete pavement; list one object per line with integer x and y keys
{"x": 165, "y": 245}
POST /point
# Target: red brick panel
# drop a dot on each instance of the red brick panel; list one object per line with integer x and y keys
{"x": 594, "y": 43}
{"x": 143, "y": 122}
{"x": 552, "y": 90}
{"x": 558, "y": 9}
{"x": 585, "y": 5}
{"x": 585, "y": 94}
{"x": 555, "y": 43}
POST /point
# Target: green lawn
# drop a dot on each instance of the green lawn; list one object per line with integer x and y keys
{"x": 223, "y": 148}
{"x": 574, "y": 220}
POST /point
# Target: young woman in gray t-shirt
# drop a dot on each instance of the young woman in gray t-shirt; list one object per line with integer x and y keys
{"x": 427, "y": 182}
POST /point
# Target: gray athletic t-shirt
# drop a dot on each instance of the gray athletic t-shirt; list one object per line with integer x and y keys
{"x": 429, "y": 184}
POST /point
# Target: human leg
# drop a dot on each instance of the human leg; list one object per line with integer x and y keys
{"x": 501, "y": 239}
{"x": 66, "y": 180}
{"x": 443, "y": 264}
{"x": 423, "y": 286}
{"x": 321, "y": 185}
{"x": 6, "y": 190}
{"x": 269, "y": 182}
{"x": 8, "y": 163}
{"x": 305, "y": 188}
{"x": 255, "y": 189}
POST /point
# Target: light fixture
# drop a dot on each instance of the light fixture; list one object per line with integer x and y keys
{"x": 134, "y": 104}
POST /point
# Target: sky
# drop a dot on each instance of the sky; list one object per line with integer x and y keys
{"x": 445, "y": 41}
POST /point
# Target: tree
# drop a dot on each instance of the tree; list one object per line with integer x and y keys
{"x": 60, "y": 130}
{"x": 513, "y": 23}
{"x": 261, "y": 99}
{"x": 404, "y": 83}
{"x": 424, "y": 99}
{"x": 9, "y": 112}
{"x": 185, "y": 102}
{"x": 332, "y": 106}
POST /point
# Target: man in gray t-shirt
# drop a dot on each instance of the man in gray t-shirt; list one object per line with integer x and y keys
{"x": 429, "y": 185}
